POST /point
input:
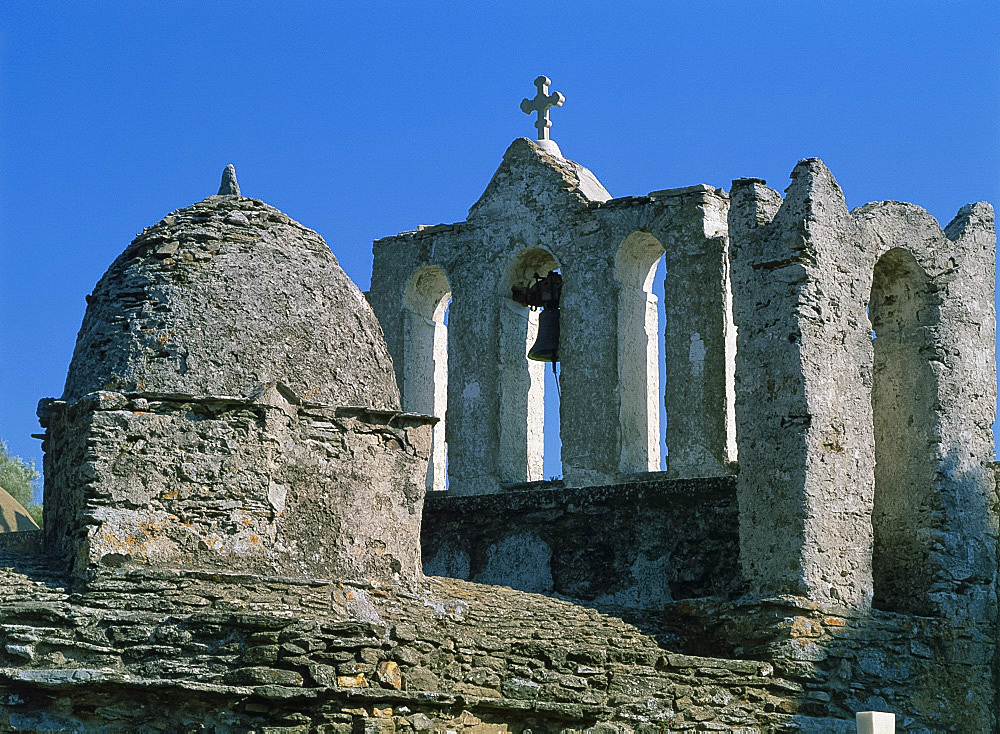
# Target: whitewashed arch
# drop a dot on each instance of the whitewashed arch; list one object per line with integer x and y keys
{"x": 522, "y": 381}
{"x": 638, "y": 354}
{"x": 425, "y": 359}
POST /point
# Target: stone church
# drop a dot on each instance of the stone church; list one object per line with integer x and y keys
{"x": 276, "y": 504}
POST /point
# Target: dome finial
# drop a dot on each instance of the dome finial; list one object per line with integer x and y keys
{"x": 229, "y": 186}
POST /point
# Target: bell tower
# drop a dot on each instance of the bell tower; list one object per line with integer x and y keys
{"x": 549, "y": 266}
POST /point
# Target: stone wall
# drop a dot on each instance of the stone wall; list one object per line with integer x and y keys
{"x": 864, "y": 467}
{"x": 637, "y": 545}
{"x": 270, "y": 485}
{"x": 936, "y": 674}
{"x": 145, "y": 650}
{"x": 23, "y": 541}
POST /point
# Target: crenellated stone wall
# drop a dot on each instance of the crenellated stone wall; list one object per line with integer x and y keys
{"x": 865, "y": 385}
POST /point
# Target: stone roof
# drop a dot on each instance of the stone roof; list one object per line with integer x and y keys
{"x": 222, "y": 296}
{"x": 13, "y": 516}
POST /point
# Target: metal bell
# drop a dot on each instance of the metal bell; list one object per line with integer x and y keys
{"x": 546, "y": 346}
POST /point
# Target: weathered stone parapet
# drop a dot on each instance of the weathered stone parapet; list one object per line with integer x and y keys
{"x": 270, "y": 485}
{"x": 638, "y": 545}
{"x": 934, "y": 399}
{"x": 865, "y": 382}
{"x": 802, "y": 391}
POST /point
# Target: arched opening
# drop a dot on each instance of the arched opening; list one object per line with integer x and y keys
{"x": 640, "y": 326}
{"x": 905, "y": 511}
{"x": 523, "y": 397}
{"x": 425, "y": 360}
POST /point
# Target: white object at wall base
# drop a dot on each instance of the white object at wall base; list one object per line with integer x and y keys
{"x": 875, "y": 722}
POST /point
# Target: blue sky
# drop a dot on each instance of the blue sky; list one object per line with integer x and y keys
{"x": 361, "y": 120}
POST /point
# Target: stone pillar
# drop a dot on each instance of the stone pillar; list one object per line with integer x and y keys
{"x": 638, "y": 381}
{"x": 588, "y": 352}
{"x": 424, "y": 364}
{"x": 967, "y": 393}
{"x": 387, "y": 295}
{"x": 803, "y": 381}
{"x": 699, "y": 345}
{"x": 521, "y": 407}
{"x": 638, "y": 340}
{"x": 425, "y": 383}
{"x": 473, "y": 418}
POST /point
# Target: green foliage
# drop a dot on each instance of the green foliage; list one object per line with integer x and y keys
{"x": 18, "y": 477}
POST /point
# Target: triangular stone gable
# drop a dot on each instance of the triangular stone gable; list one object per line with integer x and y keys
{"x": 530, "y": 173}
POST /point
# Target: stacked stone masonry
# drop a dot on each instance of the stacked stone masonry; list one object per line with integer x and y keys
{"x": 187, "y": 651}
{"x": 595, "y": 544}
{"x": 236, "y": 536}
{"x": 217, "y": 482}
{"x": 303, "y": 654}
{"x": 223, "y": 296}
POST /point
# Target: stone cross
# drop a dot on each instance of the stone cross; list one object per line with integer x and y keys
{"x": 540, "y": 104}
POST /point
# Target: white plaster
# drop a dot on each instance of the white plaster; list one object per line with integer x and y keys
{"x": 732, "y": 453}
{"x": 522, "y": 561}
{"x": 549, "y": 146}
{"x": 638, "y": 355}
{"x": 696, "y": 354}
{"x": 425, "y": 360}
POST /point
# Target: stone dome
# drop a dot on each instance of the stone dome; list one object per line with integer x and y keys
{"x": 224, "y": 296}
